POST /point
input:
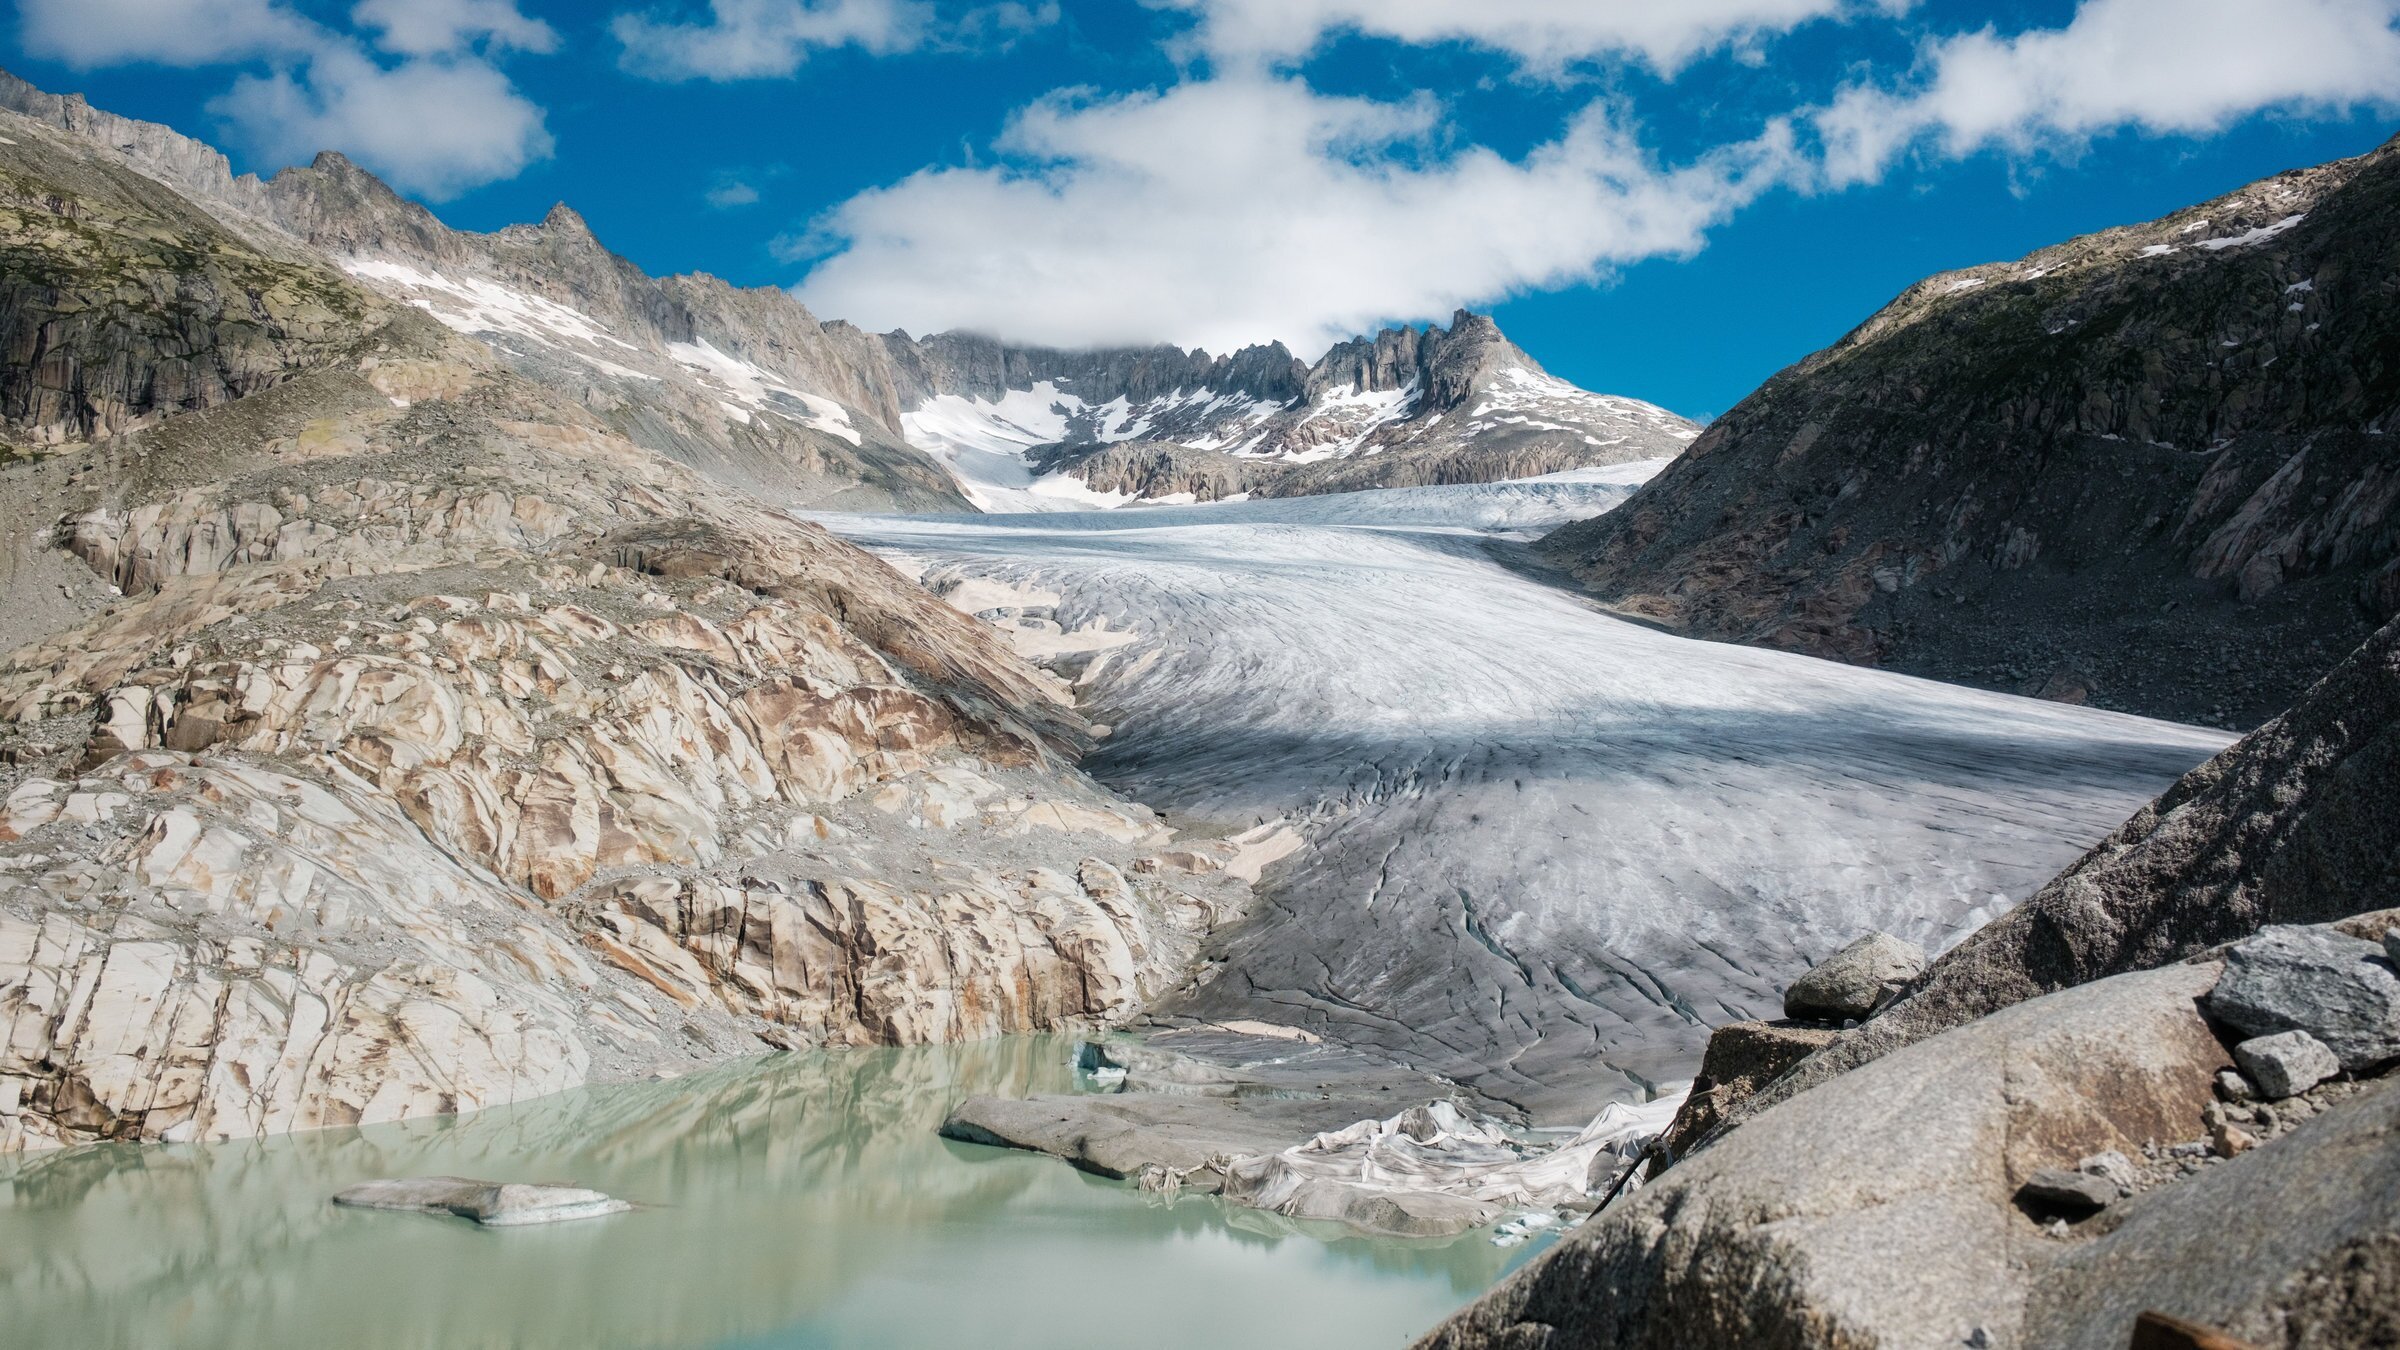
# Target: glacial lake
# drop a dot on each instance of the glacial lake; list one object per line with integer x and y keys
{"x": 799, "y": 1202}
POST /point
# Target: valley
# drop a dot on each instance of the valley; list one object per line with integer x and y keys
{"x": 1421, "y": 838}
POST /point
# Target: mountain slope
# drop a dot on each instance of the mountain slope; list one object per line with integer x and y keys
{"x": 2151, "y": 467}
{"x": 744, "y": 385}
{"x": 385, "y": 732}
{"x": 1032, "y": 429}
{"x": 752, "y": 389}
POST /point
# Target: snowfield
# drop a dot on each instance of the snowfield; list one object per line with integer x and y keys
{"x": 1546, "y": 849}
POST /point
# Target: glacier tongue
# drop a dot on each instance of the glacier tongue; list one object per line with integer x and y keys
{"x": 1547, "y": 848}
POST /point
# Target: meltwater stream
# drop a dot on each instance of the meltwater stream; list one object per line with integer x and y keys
{"x": 798, "y": 1201}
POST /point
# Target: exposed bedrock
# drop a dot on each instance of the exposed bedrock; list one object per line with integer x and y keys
{"x": 445, "y": 754}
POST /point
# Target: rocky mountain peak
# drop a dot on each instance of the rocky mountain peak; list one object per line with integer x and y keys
{"x": 1445, "y": 366}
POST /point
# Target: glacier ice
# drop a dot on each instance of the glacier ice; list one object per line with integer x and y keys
{"x": 1547, "y": 848}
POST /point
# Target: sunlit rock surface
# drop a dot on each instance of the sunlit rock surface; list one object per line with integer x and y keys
{"x": 417, "y": 742}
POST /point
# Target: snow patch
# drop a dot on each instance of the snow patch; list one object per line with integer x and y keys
{"x": 475, "y": 306}
{"x": 2263, "y": 232}
{"x": 754, "y": 387}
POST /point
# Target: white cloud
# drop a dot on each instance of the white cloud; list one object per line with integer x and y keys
{"x": 438, "y": 122}
{"x": 2163, "y": 66}
{"x": 750, "y": 39}
{"x": 435, "y": 127}
{"x": 441, "y": 27}
{"x": 1542, "y": 34}
{"x": 731, "y": 193}
{"x": 89, "y": 33}
{"x": 995, "y": 26}
{"x": 1251, "y": 207}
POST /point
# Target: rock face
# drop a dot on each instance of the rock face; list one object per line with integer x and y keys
{"x": 423, "y": 742}
{"x": 2299, "y": 822}
{"x": 494, "y": 1204}
{"x": 120, "y": 303}
{"x": 2152, "y": 468}
{"x": 1854, "y": 981}
{"x": 1879, "y": 1209}
{"x": 2334, "y": 988}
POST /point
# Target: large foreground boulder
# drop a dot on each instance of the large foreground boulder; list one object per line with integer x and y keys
{"x": 1878, "y": 1210}
{"x": 2298, "y": 822}
{"x": 2294, "y": 1245}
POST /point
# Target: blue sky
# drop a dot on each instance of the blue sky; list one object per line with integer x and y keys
{"x": 1669, "y": 201}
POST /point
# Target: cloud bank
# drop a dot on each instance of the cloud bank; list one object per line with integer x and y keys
{"x": 1224, "y": 211}
{"x": 1244, "y": 205}
{"x": 772, "y": 39}
{"x": 1540, "y": 34}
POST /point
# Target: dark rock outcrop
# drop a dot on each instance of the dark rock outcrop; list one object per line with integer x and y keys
{"x": 121, "y": 304}
{"x": 1155, "y": 469}
{"x": 2153, "y": 468}
{"x": 2298, "y": 822}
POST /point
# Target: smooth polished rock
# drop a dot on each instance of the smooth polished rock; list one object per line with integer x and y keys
{"x": 1877, "y": 1209}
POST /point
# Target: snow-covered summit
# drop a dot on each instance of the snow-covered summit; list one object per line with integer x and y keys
{"x": 1406, "y": 407}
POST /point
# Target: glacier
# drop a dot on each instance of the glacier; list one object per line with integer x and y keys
{"x": 1546, "y": 848}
